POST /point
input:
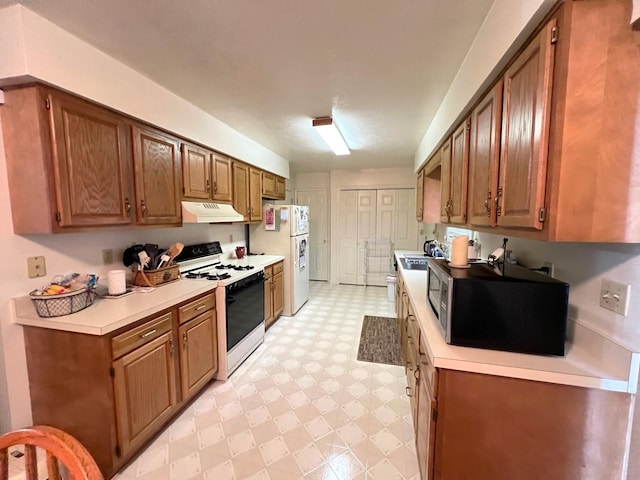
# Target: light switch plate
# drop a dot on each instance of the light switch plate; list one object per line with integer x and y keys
{"x": 614, "y": 296}
{"x": 36, "y": 267}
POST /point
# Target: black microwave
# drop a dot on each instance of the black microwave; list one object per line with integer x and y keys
{"x": 502, "y": 307}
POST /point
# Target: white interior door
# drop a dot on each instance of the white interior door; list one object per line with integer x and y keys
{"x": 318, "y": 259}
{"x": 386, "y": 214}
{"x": 366, "y": 226}
{"x": 348, "y": 237}
{"x": 405, "y": 224}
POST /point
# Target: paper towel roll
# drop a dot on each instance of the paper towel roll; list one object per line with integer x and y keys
{"x": 117, "y": 282}
{"x": 459, "y": 250}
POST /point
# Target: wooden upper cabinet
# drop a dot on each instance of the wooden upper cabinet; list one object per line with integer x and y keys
{"x": 268, "y": 185}
{"x": 241, "y": 189}
{"x": 459, "y": 173}
{"x": 525, "y": 133}
{"x": 196, "y": 172}
{"x": 68, "y": 162}
{"x": 156, "y": 159}
{"x": 445, "y": 181}
{"x": 255, "y": 194}
{"x": 484, "y": 158}
{"x": 281, "y": 186}
{"x": 222, "y": 178}
{"x": 419, "y": 194}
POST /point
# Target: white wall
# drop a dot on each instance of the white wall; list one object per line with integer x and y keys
{"x": 36, "y": 47}
{"x": 506, "y": 26}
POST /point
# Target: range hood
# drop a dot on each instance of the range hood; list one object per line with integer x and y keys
{"x": 207, "y": 212}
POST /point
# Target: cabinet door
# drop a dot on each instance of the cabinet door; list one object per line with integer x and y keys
{"x": 278, "y": 294}
{"x": 91, "y": 162}
{"x": 268, "y": 185}
{"x": 145, "y": 391}
{"x": 525, "y": 134}
{"x": 221, "y": 178}
{"x": 445, "y": 181}
{"x": 459, "y": 173}
{"x": 255, "y": 194}
{"x": 156, "y": 158}
{"x": 268, "y": 302}
{"x": 425, "y": 429}
{"x": 419, "y": 195}
{"x": 484, "y": 158}
{"x": 281, "y": 192}
{"x": 241, "y": 189}
{"x": 196, "y": 175}
{"x": 198, "y": 352}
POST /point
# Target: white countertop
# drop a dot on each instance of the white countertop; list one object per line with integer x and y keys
{"x": 107, "y": 315}
{"x": 590, "y": 360}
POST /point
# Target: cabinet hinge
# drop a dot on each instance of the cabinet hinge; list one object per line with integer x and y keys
{"x": 118, "y": 452}
{"x": 542, "y": 214}
{"x": 47, "y": 103}
{"x": 58, "y": 217}
{"x": 555, "y": 34}
{"x": 112, "y": 372}
{"x": 434, "y": 414}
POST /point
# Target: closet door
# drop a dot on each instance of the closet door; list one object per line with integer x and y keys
{"x": 356, "y": 221}
{"x": 406, "y": 227}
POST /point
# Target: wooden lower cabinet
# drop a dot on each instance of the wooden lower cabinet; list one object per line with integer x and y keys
{"x": 473, "y": 426}
{"x": 145, "y": 391}
{"x": 116, "y": 391}
{"x": 273, "y": 293}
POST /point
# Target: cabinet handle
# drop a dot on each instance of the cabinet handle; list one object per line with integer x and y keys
{"x": 408, "y": 391}
{"x": 201, "y": 306}
{"x": 248, "y": 211}
{"x": 171, "y": 347}
{"x": 127, "y": 205}
{"x": 208, "y": 186}
{"x": 416, "y": 374}
{"x": 150, "y": 332}
{"x": 424, "y": 360}
{"x": 184, "y": 340}
{"x": 215, "y": 187}
{"x": 143, "y": 207}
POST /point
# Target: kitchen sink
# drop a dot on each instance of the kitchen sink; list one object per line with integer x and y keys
{"x": 414, "y": 262}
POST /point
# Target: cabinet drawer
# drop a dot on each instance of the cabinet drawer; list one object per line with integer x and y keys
{"x": 268, "y": 272}
{"x": 196, "y": 307}
{"x": 277, "y": 268}
{"x": 136, "y": 337}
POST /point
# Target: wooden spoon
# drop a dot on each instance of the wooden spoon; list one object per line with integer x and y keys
{"x": 174, "y": 251}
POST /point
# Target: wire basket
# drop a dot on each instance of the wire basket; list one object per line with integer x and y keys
{"x": 48, "y": 306}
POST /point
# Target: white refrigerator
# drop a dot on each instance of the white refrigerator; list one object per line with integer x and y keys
{"x": 285, "y": 231}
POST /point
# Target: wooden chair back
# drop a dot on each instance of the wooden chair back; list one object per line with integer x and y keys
{"x": 60, "y": 449}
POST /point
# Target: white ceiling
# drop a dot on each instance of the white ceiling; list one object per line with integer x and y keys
{"x": 266, "y": 68}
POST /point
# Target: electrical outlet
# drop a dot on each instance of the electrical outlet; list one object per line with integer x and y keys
{"x": 614, "y": 296}
{"x": 551, "y": 269}
{"x": 107, "y": 256}
{"x": 36, "y": 267}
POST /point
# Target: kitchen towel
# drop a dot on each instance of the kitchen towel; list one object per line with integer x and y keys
{"x": 117, "y": 282}
{"x": 459, "y": 250}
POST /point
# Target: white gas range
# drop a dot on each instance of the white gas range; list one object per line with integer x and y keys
{"x": 244, "y": 296}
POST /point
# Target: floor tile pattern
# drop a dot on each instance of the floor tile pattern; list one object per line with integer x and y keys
{"x": 301, "y": 407}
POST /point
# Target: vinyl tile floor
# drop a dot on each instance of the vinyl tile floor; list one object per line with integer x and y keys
{"x": 301, "y": 407}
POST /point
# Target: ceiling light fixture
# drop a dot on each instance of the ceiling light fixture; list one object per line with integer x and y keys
{"x": 331, "y": 135}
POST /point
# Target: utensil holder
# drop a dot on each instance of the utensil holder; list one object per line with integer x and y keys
{"x": 157, "y": 277}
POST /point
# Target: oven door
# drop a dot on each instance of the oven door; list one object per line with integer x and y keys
{"x": 245, "y": 307}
